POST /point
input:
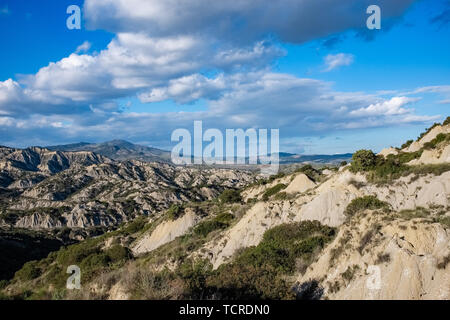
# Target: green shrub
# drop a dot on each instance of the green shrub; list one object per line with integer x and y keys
{"x": 441, "y": 137}
{"x": 194, "y": 274}
{"x": 225, "y": 218}
{"x": 260, "y": 272}
{"x": 407, "y": 144}
{"x": 230, "y": 196}
{"x": 271, "y": 191}
{"x": 174, "y": 212}
{"x": 95, "y": 262}
{"x": 222, "y": 221}
{"x": 274, "y": 177}
{"x": 134, "y": 226}
{"x": 118, "y": 253}
{"x": 364, "y": 203}
{"x": 3, "y": 284}
{"x": 283, "y": 244}
{"x": 404, "y": 157}
{"x": 446, "y": 122}
{"x": 29, "y": 271}
{"x": 363, "y": 160}
{"x": 206, "y": 227}
{"x": 310, "y": 172}
{"x": 76, "y": 253}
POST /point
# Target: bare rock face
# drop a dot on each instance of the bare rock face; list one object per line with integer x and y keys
{"x": 166, "y": 232}
{"x": 435, "y": 156}
{"x": 401, "y": 260}
{"x": 300, "y": 183}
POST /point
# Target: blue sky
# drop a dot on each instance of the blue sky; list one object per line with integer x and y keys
{"x": 137, "y": 70}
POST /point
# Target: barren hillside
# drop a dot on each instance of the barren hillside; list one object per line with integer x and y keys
{"x": 378, "y": 228}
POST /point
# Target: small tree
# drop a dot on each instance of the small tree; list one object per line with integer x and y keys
{"x": 363, "y": 160}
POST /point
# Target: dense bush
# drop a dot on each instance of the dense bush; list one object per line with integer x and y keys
{"x": 118, "y": 253}
{"x": 260, "y": 272}
{"x": 271, "y": 191}
{"x": 363, "y": 160}
{"x": 364, "y": 203}
{"x": 230, "y": 196}
{"x": 382, "y": 170}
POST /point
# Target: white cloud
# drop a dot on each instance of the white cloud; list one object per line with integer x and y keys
{"x": 391, "y": 107}
{"x": 333, "y": 61}
{"x": 187, "y": 89}
{"x": 84, "y": 47}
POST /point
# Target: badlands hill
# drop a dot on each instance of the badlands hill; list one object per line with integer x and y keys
{"x": 378, "y": 228}
{"x": 52, "y": 198}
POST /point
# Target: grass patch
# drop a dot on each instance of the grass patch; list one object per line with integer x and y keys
{"x": 418, "y": 212}
{"x": 273, "y": 190}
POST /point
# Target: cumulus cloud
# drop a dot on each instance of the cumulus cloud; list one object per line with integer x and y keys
{"x": 334, "y": 61}
{"x": 394, "y": 106}
{"x": 259, "y": 99}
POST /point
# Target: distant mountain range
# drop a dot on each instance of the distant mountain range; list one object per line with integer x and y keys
{"x": 124, "y": 150}
{"x": 288, "y": 158}
{"x": 118, "y": 150}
